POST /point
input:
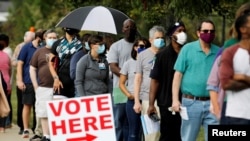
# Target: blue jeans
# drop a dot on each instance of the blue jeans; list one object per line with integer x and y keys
{"x": 134, "y": 122}
{"x": 198, "y": 114}
{"x": 121, "y": 122}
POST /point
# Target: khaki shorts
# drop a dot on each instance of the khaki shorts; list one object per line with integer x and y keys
{"x": 43, "y": 95}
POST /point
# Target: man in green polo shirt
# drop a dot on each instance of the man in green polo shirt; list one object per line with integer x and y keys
{"x": 192, "y": 69}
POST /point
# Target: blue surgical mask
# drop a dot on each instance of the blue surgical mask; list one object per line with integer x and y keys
{"x": 101, "y": 49}
{"x": 50, "y": 42}
{"x": 87, "y": 46}
{"x": 140, "y": 49}
{"x": 159, "y": 43}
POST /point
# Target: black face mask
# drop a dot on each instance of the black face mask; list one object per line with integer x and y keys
{"x": 71, "y": 31}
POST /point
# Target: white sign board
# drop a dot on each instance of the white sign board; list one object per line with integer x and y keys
{"x": 87, "y": 118}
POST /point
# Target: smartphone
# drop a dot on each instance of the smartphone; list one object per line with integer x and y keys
{"x": 154, "y": 117}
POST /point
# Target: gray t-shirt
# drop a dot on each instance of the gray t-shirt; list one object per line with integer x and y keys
{"x": 128, "y": 69}
{"x": 143, "y": 66}
{"x": 119, "y": 52}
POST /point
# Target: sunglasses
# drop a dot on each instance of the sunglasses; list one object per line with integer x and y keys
{"x": 141, "y": 46}
{"x": 206, "y": 31}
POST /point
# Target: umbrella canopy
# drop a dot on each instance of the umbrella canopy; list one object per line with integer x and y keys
{"x": 95, "y": 18}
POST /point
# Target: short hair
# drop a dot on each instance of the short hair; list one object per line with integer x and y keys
{"x": 5, "y": 38}
{"x": 39, "y": 34}
{"x": 156, "y": 28}
{"x": 49, "y": 31}
{"x": 204, "y": 21}
{"x": 144, "y": 40}
{"x": 240, "y": 22}
{"x": 93, "y": 39}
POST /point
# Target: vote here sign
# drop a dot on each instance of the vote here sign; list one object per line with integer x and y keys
{"x": 87, "y": 118}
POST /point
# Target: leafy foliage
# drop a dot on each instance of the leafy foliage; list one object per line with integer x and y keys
{"x": 47, "y": 13}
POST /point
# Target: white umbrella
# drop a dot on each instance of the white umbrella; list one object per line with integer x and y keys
{"x": 95, "y": 18}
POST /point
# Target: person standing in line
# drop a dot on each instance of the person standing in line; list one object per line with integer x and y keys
{"x": 161, "y": 76}
{"x": 194, "y": 62}
{"x": 64, "y": 48}
{"x": 4, "y": 40}
{"x": 126, "y": 84}
{"x": 92, "y": 71}
{"x": 5, "y": 70}
{"x": 76, "y": 57}
{"x": 44, "y": 87}
{"x": 119, "y": 52}
{"x": 217, "y": 94}
{"x": 28, "y": 37}
{"x": 24, "y": 82}
{"x": 234, "y": 74}
{"x": 144, "y": 63}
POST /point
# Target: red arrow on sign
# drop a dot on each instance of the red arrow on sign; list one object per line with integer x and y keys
{"x": 88, "y": 137}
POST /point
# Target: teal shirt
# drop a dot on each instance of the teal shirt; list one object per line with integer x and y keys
{"x": 195, "y": 66}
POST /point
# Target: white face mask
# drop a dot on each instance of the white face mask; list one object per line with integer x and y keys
{"x": 181, "y": 38}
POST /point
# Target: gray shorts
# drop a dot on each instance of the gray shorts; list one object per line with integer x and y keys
{"x": 28, "y": 95}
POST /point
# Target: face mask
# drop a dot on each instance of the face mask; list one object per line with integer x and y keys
{"x": 87, "y": 46}
{"x": 41, "y": 43}
{"x": 207, "y": 37}
{"x": 50, "y": 42}
{"x": 159, "y": 43}
{"x": 101, "y": 49}
{"x": 140, "y": 49}
{"x": 181, "y": 38}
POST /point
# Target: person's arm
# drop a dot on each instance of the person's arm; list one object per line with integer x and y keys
{"x": 33, "y": 76}
{"x": 15, "y": 55}
{"x": 175, "y": 90}
{"x": 19, "y": 76}
{"x": 57, "y": 83}
{"x": 137, "y": 87}
{"x": 226, "y": 72}
{"x": 154, "y": 84}
{"x": 80, "y": 76}
{"x": 215, "y": 107}
{"x": 122, "y": 82}
{"x": 242, "y": 77}
{"x": 115, "y": 69}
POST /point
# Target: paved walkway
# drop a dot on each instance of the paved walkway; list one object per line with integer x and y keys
{"x": 11, "y": 134}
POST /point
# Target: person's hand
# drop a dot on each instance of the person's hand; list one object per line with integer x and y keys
{"x": 21, "y": 86}
{"x": 176, "y": 106}
{"x": 151, "y": 109}
{"x": 215, "y": 109}
{"x": 239, "y": 77}
{"x": 57, "y": 85}
{"x": 131, "y": 97}
{"x": 137, "y": 107}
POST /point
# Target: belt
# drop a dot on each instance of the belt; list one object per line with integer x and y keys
{"x": 196, "y": 97}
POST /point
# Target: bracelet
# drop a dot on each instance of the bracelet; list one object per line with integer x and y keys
{"x": 55, "y": 77}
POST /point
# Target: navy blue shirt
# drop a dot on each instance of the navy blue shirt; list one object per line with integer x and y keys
{"x": 25, "y": 56}
{"x": 75, "y": 58}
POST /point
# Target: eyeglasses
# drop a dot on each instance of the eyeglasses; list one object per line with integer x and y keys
{"x": 141, "y": 46}
{"x": 206, "y": 31}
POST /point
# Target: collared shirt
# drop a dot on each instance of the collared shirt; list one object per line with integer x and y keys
{"x": 25, "y": 55}
{"x": 195, "y": 65}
